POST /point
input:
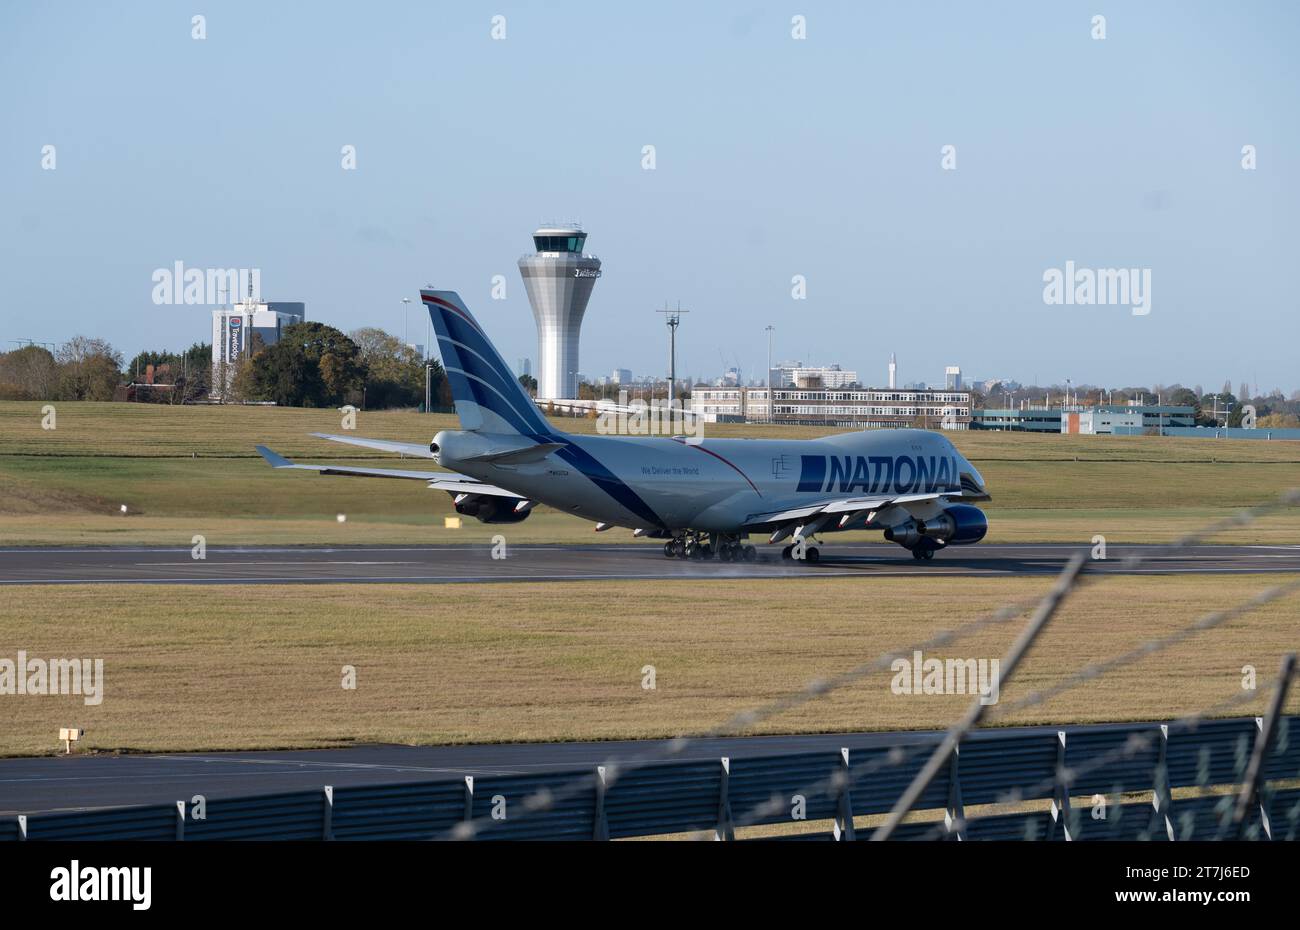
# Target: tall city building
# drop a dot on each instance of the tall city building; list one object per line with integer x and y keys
{"x": 952, "y": 378}
{"x": 893, "y": 371}
{"x": 558, "y": 278}
{"x": 796, "y": 374}
{"x": 241, "y": 329}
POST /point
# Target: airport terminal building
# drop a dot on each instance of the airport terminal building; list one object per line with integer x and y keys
{"x": 851, "y": 409}
{"x": 1095, "y": 421}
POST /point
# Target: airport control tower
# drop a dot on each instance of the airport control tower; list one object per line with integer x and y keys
{"x": 558, "y": 278}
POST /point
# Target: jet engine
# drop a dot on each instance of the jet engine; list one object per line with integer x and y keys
{"x": 906, "y": 534}
{"x": 957, "y": 525}
{"x": 491, "y": 508}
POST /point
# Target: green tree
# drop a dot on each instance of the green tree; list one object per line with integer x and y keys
{"x": 1185, "y": 397}
{"x": 280, "y": 373}
{"x": 394, "y": 371}
{"x": 313, "y": 365}
{"x": 1218, "y": 403}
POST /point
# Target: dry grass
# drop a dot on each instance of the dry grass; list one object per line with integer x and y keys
{"x": 192, "y": 668}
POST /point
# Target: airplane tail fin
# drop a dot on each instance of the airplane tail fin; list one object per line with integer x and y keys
{"x": 487, "y": 394}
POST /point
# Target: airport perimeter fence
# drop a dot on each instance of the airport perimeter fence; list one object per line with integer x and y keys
{"x": 1235, "y": 778}
{"x": 1045, "y": 770}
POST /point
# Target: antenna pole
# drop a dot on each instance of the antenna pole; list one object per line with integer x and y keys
{"x": 673, "y": 318}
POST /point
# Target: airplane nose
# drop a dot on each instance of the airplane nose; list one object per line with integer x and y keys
{"x": 970, "y": 471}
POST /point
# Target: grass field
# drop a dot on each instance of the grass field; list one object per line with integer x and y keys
{"x": 260, "y": 667}
{"x": 182, "y": 471}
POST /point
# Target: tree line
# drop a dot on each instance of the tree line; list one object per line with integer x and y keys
{"x": 311, "y": 365}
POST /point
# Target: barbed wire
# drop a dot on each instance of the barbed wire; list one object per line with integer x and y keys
{"x": 1151, "y": 647}
{"x": 814, "y": 689}
{"x": 836, "y": 780}
{"x": 1073, "y": 575}
{"x": 897, "y": 755}
{"x": 1136, "y": 744}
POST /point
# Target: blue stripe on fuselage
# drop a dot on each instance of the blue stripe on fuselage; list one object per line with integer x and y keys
{"x": 476, "y": 372}
{"x": 812, "y": 474}
{"x": 607, "y": 481}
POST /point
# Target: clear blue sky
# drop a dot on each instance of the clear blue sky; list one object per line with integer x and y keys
{"x": 775, "y": 157}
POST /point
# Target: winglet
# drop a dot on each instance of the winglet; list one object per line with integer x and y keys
{"x": 276, "y": 460}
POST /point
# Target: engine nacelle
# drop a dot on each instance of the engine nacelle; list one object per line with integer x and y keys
{"x": 958, "y": 525}
{"x": 906, "y": 534}
{"x": 489, "y": 508}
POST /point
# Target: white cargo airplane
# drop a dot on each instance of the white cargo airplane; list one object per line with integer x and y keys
{"x": 704, "y": 498}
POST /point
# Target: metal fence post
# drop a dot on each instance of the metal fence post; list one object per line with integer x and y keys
{"x": 327, "y": 827}
{"x": 725, "y": 830}
{"x": 843, "y": 826}
{"x": 1264, "y": 822}
{"x": 180, "y": 820}
{"x": 22, "y": 826}
{"x": 954, "y": 816}
{"x": 469, "y": 798}
{"x": 1161, "y": 800}
{"x": 600, "y": 827}
{"x": 1060, "y": 793}
{"x": 1255, "y": 770}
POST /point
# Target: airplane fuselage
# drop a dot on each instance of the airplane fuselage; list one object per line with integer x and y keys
{"x": 704, "y": 495}
{"x": 714, "y": 485}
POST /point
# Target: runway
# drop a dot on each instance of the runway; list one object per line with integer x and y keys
{"x": 62, "y": 783}
{"x": 523, "y": 563}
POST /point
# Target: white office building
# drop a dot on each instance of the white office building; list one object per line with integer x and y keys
{"x": 240, "y": 330}
{"x": 796, "y": 374}
{"x": 853, "y": 409}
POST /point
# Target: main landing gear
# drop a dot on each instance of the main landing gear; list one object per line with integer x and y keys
{"x": 810, "y": 553}
{"x": 924, "y": 550}
{"x": 708, "y": 546}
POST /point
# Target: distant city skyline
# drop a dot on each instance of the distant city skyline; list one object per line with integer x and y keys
{"x": 721, "y": 174}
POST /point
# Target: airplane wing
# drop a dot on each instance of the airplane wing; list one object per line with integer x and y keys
{"x": 383, "y": 445}
{"x": 440, "y": 480}
{"x": 841, "y": 505}
{"x": 834, "y": 513}
{"x": 513, "y": 455}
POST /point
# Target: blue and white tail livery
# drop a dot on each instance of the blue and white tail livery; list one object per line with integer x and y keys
{"x": 488, "y": 396}
{"x": 704, "y": 499}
